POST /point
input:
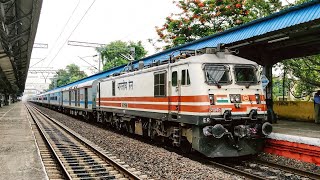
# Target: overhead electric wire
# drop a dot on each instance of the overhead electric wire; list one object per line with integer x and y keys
{"x": 64, "y": 27}
{"x": 72, "y": 32}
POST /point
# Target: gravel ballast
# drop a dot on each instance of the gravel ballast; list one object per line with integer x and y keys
{"x": 156, "y": 162}
{"x": 290, "y": 162}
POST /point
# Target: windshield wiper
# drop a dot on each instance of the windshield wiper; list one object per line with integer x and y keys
{"x": 250, "y": 83}
{"x": 213, "y": 81}
{"x": 216, "y": 83}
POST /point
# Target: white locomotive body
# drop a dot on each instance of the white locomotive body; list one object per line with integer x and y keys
{"x": 183, "y": 89}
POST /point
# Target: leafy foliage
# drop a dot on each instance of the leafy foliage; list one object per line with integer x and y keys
{"x": 307, "y": 70}
{"x": 277, "y": 91}
{"x": 202, "y": 18}
{"x": 111, "y": 53}
{"x": 65, "y": 76}
{"x": 303, "y": 76}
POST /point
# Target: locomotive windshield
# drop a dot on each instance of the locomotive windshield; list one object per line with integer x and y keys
{"x": 216, "y": 74}
{"x": 245, "y": 74}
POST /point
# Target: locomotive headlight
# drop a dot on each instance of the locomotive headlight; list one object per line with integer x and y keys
{"x": 266, "y": 129}
{"x": 235, "y": 98}
{"x": 211, "y": 98}
{"x": 258, "y": 100}
{"x": 232, "y": 99}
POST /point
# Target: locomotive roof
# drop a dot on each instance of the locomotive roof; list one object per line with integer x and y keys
{"x": 228, "y": 59}
{"x": 212, "y": 58}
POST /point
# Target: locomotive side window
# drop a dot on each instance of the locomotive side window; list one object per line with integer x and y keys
{"x": 159, "y": 84}
{"x": 113, "y": 88}
{"x": 185, "y": 78}
{"x": 188, "y": 78}
{"x": 216, "y": 74}
{"x": 174, "y": 78}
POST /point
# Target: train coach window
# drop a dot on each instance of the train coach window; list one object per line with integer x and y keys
{"x": 174, "y": 78}
{"x": 185, "y": 78}
{"x": 113, "y": 88}
{"x": 75, "y": 97}
{"x": 78, "y": 97}
{"x": 159, "y": 84}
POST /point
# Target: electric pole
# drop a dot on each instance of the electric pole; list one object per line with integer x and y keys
{"x": 89, "y": 44}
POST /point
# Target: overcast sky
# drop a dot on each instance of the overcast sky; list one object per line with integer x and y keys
{"x": 106, "y": 21}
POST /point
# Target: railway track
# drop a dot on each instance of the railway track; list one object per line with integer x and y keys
{"x": 51, "y": 165}
{"x": 295, "y": 171}
{"x": 256, "y": 169}
{"x": 76, "y": 157}
{"x": 252, "y": 169}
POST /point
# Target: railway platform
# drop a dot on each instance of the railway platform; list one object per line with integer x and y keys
{"x": 297, "y": 140}
{"x": 297, "y": 128}
{"x": 19, "y": 156}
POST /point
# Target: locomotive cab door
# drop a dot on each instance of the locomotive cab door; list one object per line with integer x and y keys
{"x": 175, "y": 94}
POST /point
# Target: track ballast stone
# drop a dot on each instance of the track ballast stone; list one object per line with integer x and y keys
{"x": 290, "y": 162}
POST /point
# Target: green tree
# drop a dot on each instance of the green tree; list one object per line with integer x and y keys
{"x": 307, "y": 70}
{"x": 68, "y": 75}
{"x": 202, "y": 18}
{"x": 111, "y": 53}
{"x": 302, "y": 76}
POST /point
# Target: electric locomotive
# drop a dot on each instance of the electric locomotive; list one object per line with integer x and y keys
{"x": 206, "y": 100}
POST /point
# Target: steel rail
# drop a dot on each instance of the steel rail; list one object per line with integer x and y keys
{"x": 235, "y": 170}
{"x": 49, "y": 161}
{"x": 296, "y": 171}
{"x": 65, "y": 172}
{"x": 100, "y": 153}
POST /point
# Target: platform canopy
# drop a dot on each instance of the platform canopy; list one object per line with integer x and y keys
{"x": 19, "y": 20}
{"x": 293, "y": 32}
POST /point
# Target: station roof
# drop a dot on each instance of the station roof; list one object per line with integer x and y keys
{"x": 19, "y": 20}
{"x": 293, "y": 28}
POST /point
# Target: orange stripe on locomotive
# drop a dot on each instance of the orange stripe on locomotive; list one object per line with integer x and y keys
{"x": 199, "y": 98}
{"x": 174, "y": 99}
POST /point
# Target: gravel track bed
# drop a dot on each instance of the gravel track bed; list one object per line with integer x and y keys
{"x": 290, "y": 162}
{"x": 156, "y": 162}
